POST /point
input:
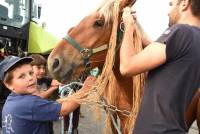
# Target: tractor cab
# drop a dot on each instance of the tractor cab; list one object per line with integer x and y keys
{"x": 15, "y": 18}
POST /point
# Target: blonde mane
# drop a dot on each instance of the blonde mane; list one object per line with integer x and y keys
{"x": 105, "y": 83}
{"x": 106, "y": 10}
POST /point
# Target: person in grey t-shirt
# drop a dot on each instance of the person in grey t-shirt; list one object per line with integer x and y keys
{"x": 172, "y": 66}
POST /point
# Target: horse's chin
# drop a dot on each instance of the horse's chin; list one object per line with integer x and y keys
{"x": 67, "y": 75}
{"x": 65, "y": 81}
{"x": 67, "y": 78}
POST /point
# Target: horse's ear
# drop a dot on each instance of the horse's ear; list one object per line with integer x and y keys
{"x": 70, "y": 29}
{"x": 124, "y": 3}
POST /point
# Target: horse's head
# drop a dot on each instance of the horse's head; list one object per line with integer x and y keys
{"x": 85, "y": 44}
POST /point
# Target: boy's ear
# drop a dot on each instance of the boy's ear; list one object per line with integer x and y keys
{"x": 9, "y": 86}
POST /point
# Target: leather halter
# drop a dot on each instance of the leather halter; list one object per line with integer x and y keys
{"x": 86, "y": 53}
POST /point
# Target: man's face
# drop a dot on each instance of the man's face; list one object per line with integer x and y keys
{"x": 24, "y": 80}
{"x": 174, "y": 14}
{"x": 40, "y": 71}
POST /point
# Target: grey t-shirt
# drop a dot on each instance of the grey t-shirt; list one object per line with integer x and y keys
{"x": 170, "y": 87}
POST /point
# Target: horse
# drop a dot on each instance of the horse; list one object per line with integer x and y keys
{"x": 101, "y": 25}
{"x": 85, "y": 46}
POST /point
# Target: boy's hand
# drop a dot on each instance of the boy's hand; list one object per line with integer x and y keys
{"x": 56, "y": 83}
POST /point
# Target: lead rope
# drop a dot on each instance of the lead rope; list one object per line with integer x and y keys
{"x": 69, "y": 90}
{"x": 116, "y": 123}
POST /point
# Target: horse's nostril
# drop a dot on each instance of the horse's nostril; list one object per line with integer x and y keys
{"x": 55, "y": 64}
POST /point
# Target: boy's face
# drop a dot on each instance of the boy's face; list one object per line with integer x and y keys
{"x": 40, "y": 71}
{"x": 24, "y": 80}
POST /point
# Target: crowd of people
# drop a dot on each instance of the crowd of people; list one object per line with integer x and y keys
{"x": 173, "y": 78}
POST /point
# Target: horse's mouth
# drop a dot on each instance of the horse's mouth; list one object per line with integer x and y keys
{"x": 66, "y": 78}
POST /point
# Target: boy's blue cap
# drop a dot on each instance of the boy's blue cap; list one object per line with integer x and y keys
{"x": 9, "y": 62}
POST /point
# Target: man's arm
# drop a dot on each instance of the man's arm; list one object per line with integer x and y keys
{"x": 146, "y": 40}
{"x": 131, "y": 63}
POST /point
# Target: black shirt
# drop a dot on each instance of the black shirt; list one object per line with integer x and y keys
{"x": 170, "y": 87}
{"x": 44, "y": 83}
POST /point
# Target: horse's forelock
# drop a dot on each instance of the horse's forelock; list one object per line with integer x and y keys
{"x": 106, "y": 10}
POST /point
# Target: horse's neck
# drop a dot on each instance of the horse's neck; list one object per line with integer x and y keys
{"x": 124, "y": 86}
{"x": 123, "y": 82}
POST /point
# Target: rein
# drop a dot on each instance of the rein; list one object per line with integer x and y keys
{"x": 86, "y": 53}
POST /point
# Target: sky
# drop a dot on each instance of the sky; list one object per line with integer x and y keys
{"x": 60, "y": 15}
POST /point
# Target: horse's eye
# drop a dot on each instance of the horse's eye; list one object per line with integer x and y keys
{"x": 99, "y": 23}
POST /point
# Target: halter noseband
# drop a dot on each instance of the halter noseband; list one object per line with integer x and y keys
{"x": 86, "y": 53}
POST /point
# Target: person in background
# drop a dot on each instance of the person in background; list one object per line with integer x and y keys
{"x": 46, "y": 84}
{"x": 4, "y": 92}
{"x": 173, "y": 71}
{"x": 24, "y": 111}
{"x": 2, "y": 55}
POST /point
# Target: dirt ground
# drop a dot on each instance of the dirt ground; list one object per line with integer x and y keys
{"x": 88, "y": 125}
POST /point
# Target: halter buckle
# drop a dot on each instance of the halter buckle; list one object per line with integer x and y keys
{"x": 86, "y": 53}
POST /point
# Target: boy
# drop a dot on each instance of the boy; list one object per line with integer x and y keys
{"x": 24, "y": 112}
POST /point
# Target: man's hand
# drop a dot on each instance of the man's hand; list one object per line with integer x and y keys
{"x": 128, "y": 17}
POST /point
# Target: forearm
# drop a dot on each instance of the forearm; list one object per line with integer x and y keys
{"x": 68, "y": 107}
{"x": 46, "y": 94}
{"x": 146, "y": 40}
{"x": 73, "y": 101}
{"x": 127, "y": 48}
{"x": 70, "y": 103}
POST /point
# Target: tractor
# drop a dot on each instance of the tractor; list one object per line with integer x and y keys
{"x": 15, "y": 18}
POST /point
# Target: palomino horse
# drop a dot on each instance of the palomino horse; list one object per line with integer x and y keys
{"x": 84, "y": 47}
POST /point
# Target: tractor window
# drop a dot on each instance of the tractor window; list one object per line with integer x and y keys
{"x": 36, "y": 10}
{"x": 14, "y": 12}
